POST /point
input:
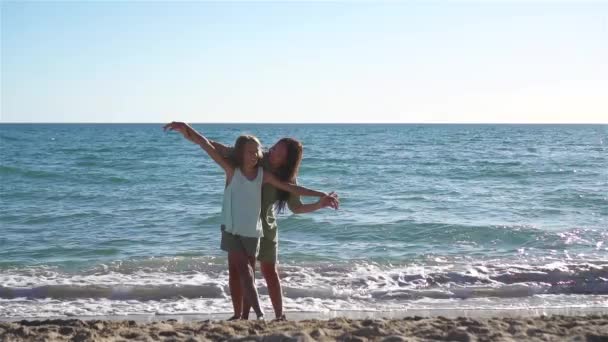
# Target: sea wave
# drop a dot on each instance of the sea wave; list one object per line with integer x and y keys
{"x": 362, "y": 281}
{"x": 115, "y": 292}
{"x": 12, "y": 170}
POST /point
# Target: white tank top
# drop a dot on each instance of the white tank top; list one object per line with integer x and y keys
{"x": 242, "y": 205}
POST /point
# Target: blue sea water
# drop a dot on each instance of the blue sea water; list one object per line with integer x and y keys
{"x": 111, "y": 219}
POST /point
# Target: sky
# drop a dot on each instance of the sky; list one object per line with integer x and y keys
{"x": 300, "y": 62}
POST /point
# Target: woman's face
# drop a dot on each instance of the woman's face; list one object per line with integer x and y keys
{"x": 252, "y": 153}
{"x": 277, "y": 154}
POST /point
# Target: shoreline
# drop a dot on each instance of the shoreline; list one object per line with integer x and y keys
{"x": 411, "y": 328}
{"x": 476, "y": 313}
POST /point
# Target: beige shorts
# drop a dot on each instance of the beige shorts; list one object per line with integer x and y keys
{"x": 237, "y": 243}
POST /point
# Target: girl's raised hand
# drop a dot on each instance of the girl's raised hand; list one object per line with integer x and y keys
{"x": 176, "y": 126}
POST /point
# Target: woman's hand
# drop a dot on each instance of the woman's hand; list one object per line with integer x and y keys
{"x": 331, "y": 200}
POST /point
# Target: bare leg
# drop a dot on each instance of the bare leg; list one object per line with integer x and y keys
{"x": 247, "y": 277}
{"x": 234, "y": 283}
{"x": 271, "y": 274}
{"x": 246, "y": 303}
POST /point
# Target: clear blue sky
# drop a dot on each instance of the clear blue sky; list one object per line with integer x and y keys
{"x": 304, "y": 62}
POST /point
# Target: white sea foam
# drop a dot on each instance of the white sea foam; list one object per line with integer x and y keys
{"x": 320, "y": 288}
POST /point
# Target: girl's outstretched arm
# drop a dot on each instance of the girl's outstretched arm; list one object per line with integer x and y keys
{"x": 203, "y": 142}
{"x": 194, "y": 136}
{"x": 292, "y": 188}
{"x": 191, "y": 134}
{"x": 224, "y": 150}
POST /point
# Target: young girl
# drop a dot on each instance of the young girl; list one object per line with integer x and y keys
{"x": 242, "y": 228}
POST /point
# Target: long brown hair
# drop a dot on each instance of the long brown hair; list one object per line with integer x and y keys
{"x": 239, "y": 149}
{"x": 289, "y": 170}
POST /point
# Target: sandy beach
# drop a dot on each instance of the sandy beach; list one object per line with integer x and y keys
{"x": 546, "y": 328}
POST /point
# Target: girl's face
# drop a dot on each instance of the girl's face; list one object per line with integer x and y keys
{"x": 252, "y": 154}
{"x": 277, "y": 154}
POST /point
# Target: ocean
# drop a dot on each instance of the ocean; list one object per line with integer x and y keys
{"x": 123, "y": 219}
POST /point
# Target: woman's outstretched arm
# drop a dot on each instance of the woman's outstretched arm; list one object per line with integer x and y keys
{"x": 292, "y": 188}
{"x": 331, "y": 200}
{"x": 203, "y": 142}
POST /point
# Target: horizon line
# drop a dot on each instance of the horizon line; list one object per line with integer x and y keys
{"x": 307, "y": 123}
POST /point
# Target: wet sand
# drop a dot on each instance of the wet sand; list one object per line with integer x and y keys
{"x": 545, "y": 328}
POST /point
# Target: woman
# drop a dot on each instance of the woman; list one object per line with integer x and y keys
{"x": 283, "y": 160}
